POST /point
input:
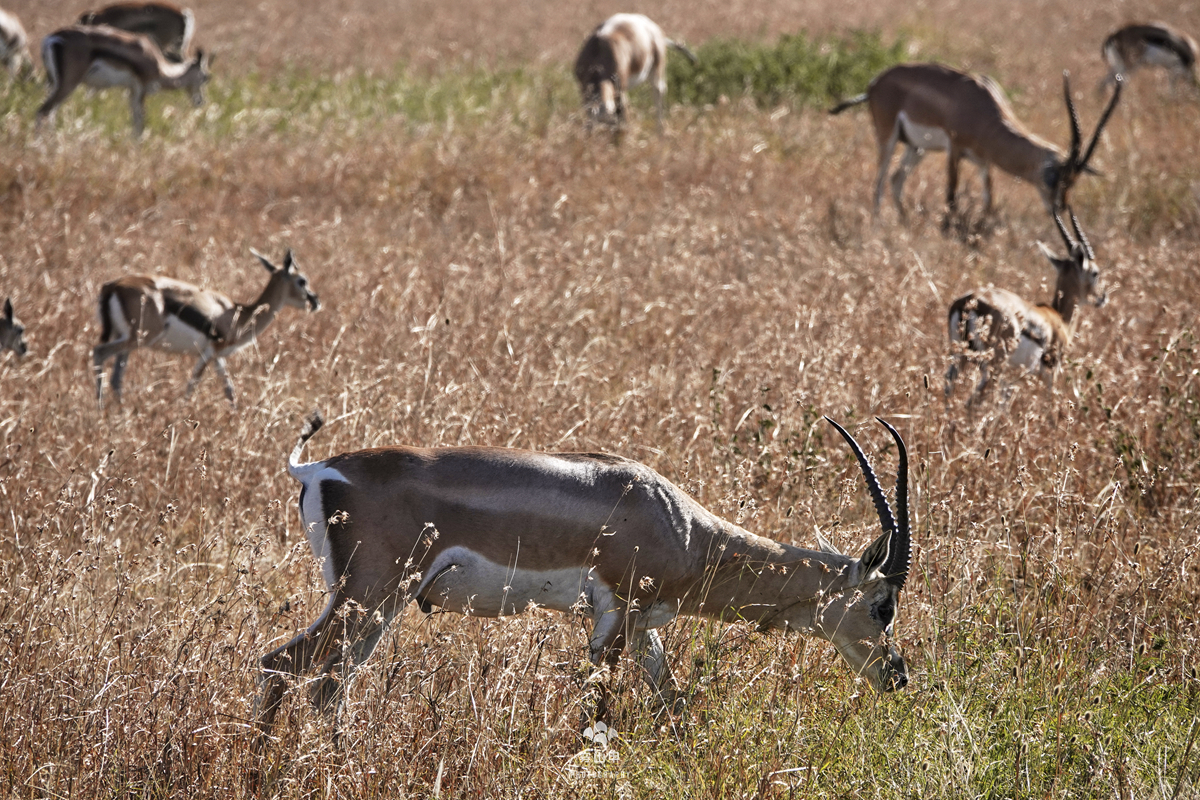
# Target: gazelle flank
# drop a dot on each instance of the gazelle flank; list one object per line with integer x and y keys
{"x": 933, "y": 107}
{"x": 168, "y": 26}
{"x": 999, "y": 326}
{"x": 140, "y": 311}
{"x": 12, "y": 332}
{"x": 624, "y": 51}
{"x": 14, "y": 45}
{"x": 1152, "y": 44}
{"x": 492, "y": 531}
{"x": 101, "y": 56}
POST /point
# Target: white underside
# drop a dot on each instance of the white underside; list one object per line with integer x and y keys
{"x": 179, "y": 337}
{"x": 1161, "y": 57}
{"x": 104, "y": 74}
{"x": 923, "y": 137}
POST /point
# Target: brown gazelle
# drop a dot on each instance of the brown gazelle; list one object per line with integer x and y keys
{"x": 100, "y": 56}
{"x": 14, "y": 45}
{"x": 491, "y": 531}
{"x": 624, "y": 51}
{"x": 933, "y": 107}
{"x": 1150, "y": 44}
{"x": 149, "y": 311}
{"x": 999, "y": 326}
{"x": 168, "y": 25}
{"x": 12, "y": 332}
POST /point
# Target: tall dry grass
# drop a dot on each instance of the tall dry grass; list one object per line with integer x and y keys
{"x": 491, "y": 275}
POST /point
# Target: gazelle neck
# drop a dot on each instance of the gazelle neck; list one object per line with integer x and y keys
{"x": 763, "y": 581}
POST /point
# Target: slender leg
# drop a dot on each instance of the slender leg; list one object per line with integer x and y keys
{"x": 648, "y": 649}
{"x": 912, "y": 157}
{"x": 118, "y": 374}
{"x": 886, "y": 149}
{"x": 137, "y": 106}
{"x": 219, "y": 363}
{"x": 205, "y": 357}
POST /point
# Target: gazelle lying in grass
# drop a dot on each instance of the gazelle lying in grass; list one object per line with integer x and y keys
{"x": 624, "y": 51}
{"x": 14, "y": 45}
{"x": 1011, "y": 329}
{"x": 12, "y": 332}
{"x": 100, "y": 57}
{"x": 1153, "y": 44}
{"x": 933, "y": 107}
{"x": 148, "y": 311}
{"x": 168, "y": 26}
{"x": 491, "y": 531}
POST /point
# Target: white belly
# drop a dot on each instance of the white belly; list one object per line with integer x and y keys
{"x": 461, "y": 580}
{"x": 1028, "y": 354}
{"x": 923, "y": 137}
{"x": 105, "y": 74}
{"x": 179, "y": 337}
{"x": 1161, "y": 57}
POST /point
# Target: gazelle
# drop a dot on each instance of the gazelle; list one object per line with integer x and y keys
{"x": 148, "y": 311}
{"x": 12, "y": 332}
{"x": 490, "y": 531}
{"x": 1153, "y": 44}
{"x": 14, "y": 45}
{"x": 168, "y": 25}
{"x": 933, "y": 107}
{"x": 100, "y": 56}
{"x": 1011, "y": 329}
{"x": 624, "y": 51}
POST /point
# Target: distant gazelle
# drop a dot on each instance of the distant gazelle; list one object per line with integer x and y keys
{"x": 168, "y": 25}
{"x": 148, "y": 311}
{"x": 492, "y": 531}
{"x": 933, "y": 107}
{"x": 1000, "y": 326}
{"x": 12, "y": 332}
{"x": 624, "y": 51}
{"x": 14, "y": 45}
{"x": 100, "y": 56}
{"x": 1153, "y": 44}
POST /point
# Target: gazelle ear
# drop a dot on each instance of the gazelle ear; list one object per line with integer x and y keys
{"x": 265, "y": 261}
{"x": 289, "y": 263}
{"x": 826, "y": 546}
{"x": 876, "y": 554}
{"x": 8, "y": 312}
{"x": 1046, "y": 251}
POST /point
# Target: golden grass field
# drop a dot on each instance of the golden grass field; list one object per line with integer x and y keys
{"x": 490, "y": 274}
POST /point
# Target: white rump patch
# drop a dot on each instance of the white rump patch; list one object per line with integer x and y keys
{"x": 312, "y": 515}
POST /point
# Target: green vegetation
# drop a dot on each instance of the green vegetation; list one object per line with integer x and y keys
{"x": 797, "y": 69}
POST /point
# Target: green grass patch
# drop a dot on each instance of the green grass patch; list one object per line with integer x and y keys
{"x": 797, "y": 69}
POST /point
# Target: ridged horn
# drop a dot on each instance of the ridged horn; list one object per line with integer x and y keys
{"x": 900, "y": 553}
{"x": 881, "y": 504}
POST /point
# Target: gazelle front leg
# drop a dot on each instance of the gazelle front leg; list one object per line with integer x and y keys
{"x": 220, "y": 365}
{"x": 205, "y": 357}
{"x": 137, "y": 107}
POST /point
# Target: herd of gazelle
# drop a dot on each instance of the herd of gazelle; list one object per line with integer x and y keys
{"x": 493, "y": 531}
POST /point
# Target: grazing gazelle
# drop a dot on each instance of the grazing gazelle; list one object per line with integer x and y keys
{"x": 1153, "y": 44}
{"x": 491, "y": 531}
{"x": 1001, "y": 326}
{"x": 149, "y": 311}
{"x": 101, "y": 56}
{"x": 623, "y": 52}
{"x": 933, "y": 107}
{"x": 12, "y": 332}
{"x": 170, "y": 26}
{"x": 14, "y": 45}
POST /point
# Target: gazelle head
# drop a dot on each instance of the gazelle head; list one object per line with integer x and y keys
{"x": 197, "y": 76}
{"x": 12, "y": 332}
{"x": 291, "y": 281}
{"x": 1078, "y": 276}
{"x": 1061, "y": 177}
{"x": 858, "y": 620}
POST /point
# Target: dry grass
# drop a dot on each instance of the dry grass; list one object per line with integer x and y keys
{"x": 493, "y": 276}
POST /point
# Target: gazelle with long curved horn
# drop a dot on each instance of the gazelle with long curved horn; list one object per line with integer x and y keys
{"x": 1000, "y": 326}
{"x": 491, "y": 531}
{"x": 150, "y": 311}
{"x": 100, "y": 56}
{"x": 933, "y": 107}
{"x": 168, "y": 26}
{"x": 12, "y": 332}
